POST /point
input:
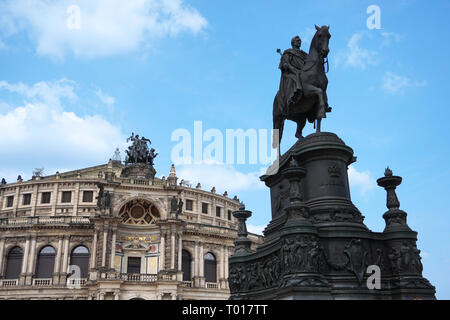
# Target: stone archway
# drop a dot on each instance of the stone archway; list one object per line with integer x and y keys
{"x": 139, "y": 212}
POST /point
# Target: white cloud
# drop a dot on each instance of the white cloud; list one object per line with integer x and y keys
{"x": 389, "y": 37}
{"x": 355, "y": 56}
{"x": 104, "y": 97}
{"x": 361, "y": 180}
{"x": 223, "y": 177}
{"x": 42, "y": 133}
{"x": 394, "y": 83}
{"x": 107, "y": 27}
{"x": 255, "y": 229}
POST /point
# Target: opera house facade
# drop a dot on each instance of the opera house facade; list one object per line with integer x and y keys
{"x": 115, "y": 232}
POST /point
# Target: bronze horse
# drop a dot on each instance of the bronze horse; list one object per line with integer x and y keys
{"x": 312, "y": 104}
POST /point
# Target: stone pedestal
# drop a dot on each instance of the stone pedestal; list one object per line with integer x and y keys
{"x": 138, "y": 171}
{"x": 317, "y": 246}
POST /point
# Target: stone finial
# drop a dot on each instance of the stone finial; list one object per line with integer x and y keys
{"x": 242, "y": 243}
{"x": 116, "y": 156}
{"x": 225, "y": 194}
{"x": 199, "y": 186}
{"x": 394, "y": 217}
{"x": 172, "y": 179}
{"x": 19, "y": 178}
{"x": 78, "y": 175}
{"x": 173, "y": 173}
{"x": 163, "y": 178}
{"x": 3, "y": 181}
{"x": 388, "y": 172}
{"x": 213, "y": 190}
{"x": 182, "y": 182}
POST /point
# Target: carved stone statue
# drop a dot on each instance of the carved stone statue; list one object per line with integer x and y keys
{"x": 302, "y": 94}
{"x": 180, "y": 208}
{"x": 138, "y": 152}
{"x": 173, "y": 204}
{"x": 103, "y": 198}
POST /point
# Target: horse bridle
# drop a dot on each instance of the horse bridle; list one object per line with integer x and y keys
{"x": 325, "y": 61}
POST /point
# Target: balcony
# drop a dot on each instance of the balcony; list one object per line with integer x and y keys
{"x": 139, "y": 277}
{"x": 212, "y": 285}
{"x": 9, "y": 283}
{"x": 31, "y": 221}
{"x": 187, "y": 284}
{"x": 76, "y": 282}
{"x": 42, "y": 282}
{"x": 132, "y": 277}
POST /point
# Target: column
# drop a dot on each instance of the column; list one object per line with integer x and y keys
{"x": 25, "y": 256}
{"x": 180, "y": 250}
{"x": 226, "y": 262}
{"x": 56, "y": 271}
{"x": 105, "y": 238}
{"x": 94, "y": 250}
{"x": 34, "y": 199}
{"x": 222, "y": 264}
{"x": 24, "y": 262}
{"x": 196, "y": 273}
{"x": 201, "y": 263}
{"x": 32, "y": 255}
{"x": 113, "y": 247}
{"x": 16, "y": 201}
{"x": 172, "y": 250}
{"x": 65, "y": 256}
{"x": 162, "y": 249}
{"x": 77, "y": 199}
{"x": 54, "y": 199}
{"x": 2, "y": 250}
{"x": 63, "y": 274}
{"x": 116, "y": 295}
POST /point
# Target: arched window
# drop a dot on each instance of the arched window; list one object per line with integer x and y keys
{"x": 14, "y": 263}
{"x": 139, "y": 212}
{"x": 45, "y": 263}
{"x": 186, "y": 265}
{"x": 80, "y": 257}
{"x": 210, "y": 268}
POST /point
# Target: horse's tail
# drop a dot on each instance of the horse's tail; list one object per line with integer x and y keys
{"x": 278, "y": 122}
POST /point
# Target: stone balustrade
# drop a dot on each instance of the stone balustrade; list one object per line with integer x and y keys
{"x": 42, "y": 282}
{"x": 9, "y": 282}
{"x": 6, "y": 222}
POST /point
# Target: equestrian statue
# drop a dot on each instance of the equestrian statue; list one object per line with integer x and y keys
{"x": 302, "y": 94}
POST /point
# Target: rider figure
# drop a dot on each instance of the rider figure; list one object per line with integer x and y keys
{"x": 291, "y": 65}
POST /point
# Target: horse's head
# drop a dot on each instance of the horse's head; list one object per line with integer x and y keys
{"x": 321, "y": 40}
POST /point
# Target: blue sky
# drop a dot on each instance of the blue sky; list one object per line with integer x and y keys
{"x": 69, "y": 97}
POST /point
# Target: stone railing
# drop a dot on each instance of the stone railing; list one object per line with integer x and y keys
{"x": 76, "y": 282}
{"x": 211, "y": 285}
{"x": 166, "y": 276}
{"x": 5, "y": 222}
{"x": 42, "y": 282}
{"x": 9, "y": 282}
{"x": 187, "y": 284}
{"x": 196, "y": 227}
{"x": 133, "y": 277}
{"x": 139, "y": 277}
{"x": 143, "y": 182}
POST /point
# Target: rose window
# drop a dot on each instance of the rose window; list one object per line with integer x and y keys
{"x": 139, "y": 212}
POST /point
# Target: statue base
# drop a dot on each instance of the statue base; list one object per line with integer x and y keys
{"x": 317, "y": 245}
{"x": 138, "y": 170}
